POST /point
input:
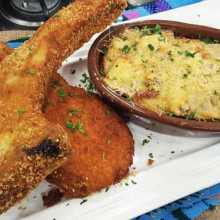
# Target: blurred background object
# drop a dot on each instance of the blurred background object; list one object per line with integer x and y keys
{"x": 135, "y": 3}
{"x": 27, "y": 14}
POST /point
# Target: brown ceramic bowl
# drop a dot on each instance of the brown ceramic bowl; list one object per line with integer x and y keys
{"x": 95, "y": 64}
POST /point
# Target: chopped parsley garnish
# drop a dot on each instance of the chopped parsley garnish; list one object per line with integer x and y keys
{"x": 107, "y": 112}
{"x": 55, "y": 83}
{"x": 180, "y": 52}
{"x": 171, "y": 114}
{"x": 151, "y": 47}
{"x": 145, "y": 141}
{"x": 88, "y": 84}
{"x": 61, "y": 92}
{"x": 76, "y": 127}
{"x": 129, "y": 99}
{"x": 109, "y": 142}
{"x": 32, "y": 72}
{"x": 84, "y": 200}
{"x": 126, "y": 49}
{"x": 112, "y": 28}
{"x": 56, "y": 16}
{"x": 187, "y": 41}
{"x": 104, "y": 50}
{"x": 216, "y": 93}
{"x": 79, "y": 126}
{"x": 126, "y": 184}
{"x": 136, "y": 28}
{"x": 207, "y": 40}
{"x": 177, "y": 44}
{"x": 134, "y": 46}
{"x": 161, "y": 39}
{"x": 156, "y": 29}
{"x": 75, "y": 111}
{"x": 151, "y": 155}
{"x": 107, "y": 189}
{"x": 133, "y": 182}
{"x": 102, "y": 73}
{"x": 188, "y": 54}
{"x": 191, "y": 116}
{"x": 73, "y": 94}
{"x": 21, "y": 111}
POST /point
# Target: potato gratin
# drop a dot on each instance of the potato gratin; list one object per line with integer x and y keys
{"x": 167, "y": 74}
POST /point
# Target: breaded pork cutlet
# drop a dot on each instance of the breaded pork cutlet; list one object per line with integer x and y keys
{"x": 4, "y": 50}
{"x": 102, "y": 143}
{"x": 30, "y": 146}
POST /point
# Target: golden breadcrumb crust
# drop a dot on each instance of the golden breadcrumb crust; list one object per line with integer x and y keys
{"x": 100, "y": 158}
{"x": 4, "y": 50}
{"x": 31, "y": 147}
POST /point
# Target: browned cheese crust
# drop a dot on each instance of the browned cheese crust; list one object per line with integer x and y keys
{"x": 102, "y": 156}
{"x": 30, "y": 146}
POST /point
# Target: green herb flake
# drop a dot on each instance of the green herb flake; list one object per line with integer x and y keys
{"x": 88, "y": 84}
{"x": 126, "y": 184}
{"x": 188, "y": 41}
{"x": 111, "y": 28}
{"x": 79, "y": 126}
{"x": 61, "y": 92}
{"x": 188, "y": 54}
{"x": 180, "y": 52}
{"x": 107, "y": 189}
{"x": 145, "y": 141}
{"x": 136, "y": 28}
{"x": 32, "y": 72}
{"x": 129, "y": 99}
{"x": 156, "y": 29}
{"x": 134, "y": 46}
{"x": 56, "y": 16}
{"x": 177, "y": 44}
{"x": 21, "y": 111}
{"x": 161, "y": 39}
{"x": 84, "y": 200}
{"x": 126, "y": 49}
{"x": 107, "y": 112}
{"x": 109, "y": 142}
{"x": 171, "y": 114}
{"x": 102, "y": 73}
{"x": 151, "y": 155}
{"x": 191, "y": 116}
{"x": 73, "y": 94}
{"x": 151, "y": 47}
{"x": 133, "y": 182}
{"x": 104, "y": 50}
{"x": 207, "y": 40}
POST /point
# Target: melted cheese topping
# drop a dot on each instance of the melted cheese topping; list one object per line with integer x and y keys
{"x": 176, "y": 76}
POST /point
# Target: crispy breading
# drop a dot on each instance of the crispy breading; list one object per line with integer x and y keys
{"x": 103, "y": 149}
{"x": 31, "y": 147}
{"x": 4, "y": 50}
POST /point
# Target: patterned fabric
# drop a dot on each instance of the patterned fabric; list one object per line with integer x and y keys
{"x": 187, "y": 208}
{"x": 154, "y": 7}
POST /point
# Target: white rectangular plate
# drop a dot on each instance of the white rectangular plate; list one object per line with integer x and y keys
{"x": 193, "y": 166}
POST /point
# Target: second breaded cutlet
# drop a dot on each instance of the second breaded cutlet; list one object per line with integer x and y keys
{"x": 102, "y": 143}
